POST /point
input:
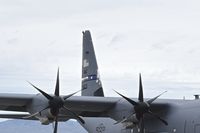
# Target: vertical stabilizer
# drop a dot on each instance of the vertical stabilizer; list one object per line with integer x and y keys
{"x": 91, "y": 83}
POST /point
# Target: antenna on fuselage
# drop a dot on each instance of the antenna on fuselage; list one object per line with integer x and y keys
{"x": 196, "y": 97}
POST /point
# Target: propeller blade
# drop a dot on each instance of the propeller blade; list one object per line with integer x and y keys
{"x": 43, "y": 93}
{"x": 141, "y": 124}
{"x": 117, "y": 122}
{"x": 57, "y": 93}
{"x": 158, "y": 117}
{"x": 56, "y": 124}
{"x": 120, "y": 121}
{"x": 75, "y": 115}
{"x": 68, "y": 96}
{"x": 124, "y": 120}
{"x": 150, "y": 101}
{"x": 140, "y": 98}
{"x": 128, "y": 99}
{"x": 32, "y": 115}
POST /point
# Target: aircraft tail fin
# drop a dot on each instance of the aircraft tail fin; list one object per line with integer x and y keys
{"x": 91, "y": 83}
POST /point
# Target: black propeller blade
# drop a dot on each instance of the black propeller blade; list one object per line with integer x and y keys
{"x": 140, "y": 98}
{"x": 141, "y": 125}
{"x": 56, "y": 102}
{"x": 127, "y": 99}
{"x": 141, "y": 107}
{"x": 29, "y": 116}
{"x": 158, "y": 117}
{"x": 43, "y": 93}
{"x": 75, "y": 115}
{"x": 153, "y": 99}
{"x": 57, "y": 93}
{"x": 56, "y": 125}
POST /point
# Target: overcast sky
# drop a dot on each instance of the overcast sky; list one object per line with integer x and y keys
{"x": 159, "y": 38}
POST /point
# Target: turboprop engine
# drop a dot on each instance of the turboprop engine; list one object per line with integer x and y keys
{"x": 141, "y": 108}
{"x": 47, "y": 107}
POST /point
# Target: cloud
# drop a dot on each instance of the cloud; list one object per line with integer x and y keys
{"x": 158, "y": 38}
{"x": 12, "y": 41}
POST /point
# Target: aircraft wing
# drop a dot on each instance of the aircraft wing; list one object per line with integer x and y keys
{"x": 84, "y": 104}
{"x": 14, "y": 102}
{"x": 19, "y": 102}
{"x": 91, "y": 104}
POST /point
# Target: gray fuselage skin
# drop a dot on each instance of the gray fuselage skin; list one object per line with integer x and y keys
{"x": 183, "y": 116}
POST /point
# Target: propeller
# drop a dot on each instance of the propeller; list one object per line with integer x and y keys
{"x": 142, "y": 107}
{"x": 55, "y": 103}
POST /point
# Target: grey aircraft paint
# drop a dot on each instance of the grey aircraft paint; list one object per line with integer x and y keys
{"x": 90, "y": 75}
{"x": 92, "y": 86}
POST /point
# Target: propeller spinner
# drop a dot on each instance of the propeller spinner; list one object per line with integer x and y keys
{"x": 141, "y": 107}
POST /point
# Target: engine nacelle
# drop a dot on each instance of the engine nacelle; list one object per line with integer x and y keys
{"x": 38, "y": 103}
{"x": 47, "y": 113}
{"x": 45, "y": 117}
{"x": 132, "y": 118}
{"x": 130, "y": 122}
{"x": 44, "y": 121}
{"x": 129, "y": 125}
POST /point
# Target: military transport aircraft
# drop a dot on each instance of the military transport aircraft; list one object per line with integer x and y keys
{"x": 139, "y": 114}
